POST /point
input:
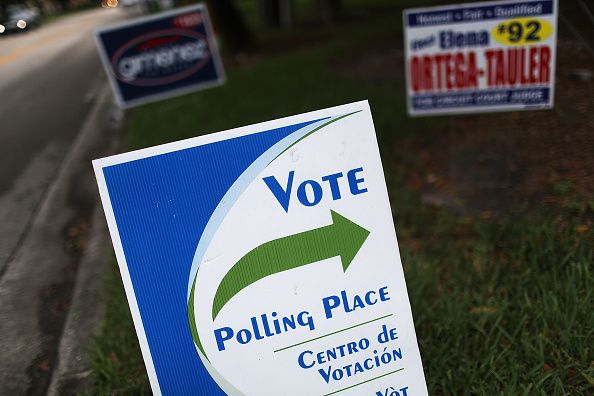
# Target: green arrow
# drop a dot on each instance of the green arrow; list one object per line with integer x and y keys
{"x": 341, "y": 238}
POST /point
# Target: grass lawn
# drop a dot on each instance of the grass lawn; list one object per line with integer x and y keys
{"x": 503, "y": 305}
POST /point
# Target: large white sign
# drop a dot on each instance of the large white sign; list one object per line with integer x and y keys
{"x": 481, "y": 57}
{"x": 263, "y": 260}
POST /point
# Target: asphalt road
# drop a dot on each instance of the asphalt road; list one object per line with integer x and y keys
{"x": 48, "y": 79}
{"x": 56, "y": 114}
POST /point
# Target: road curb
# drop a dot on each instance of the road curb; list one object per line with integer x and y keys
{"x": 87, "y": 310}
{"x": 71, "y": 374}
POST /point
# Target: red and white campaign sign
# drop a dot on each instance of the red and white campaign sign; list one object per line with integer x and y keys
{"x": 481, "y": 57}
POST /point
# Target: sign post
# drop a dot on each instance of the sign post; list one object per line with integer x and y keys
{"x": 160, "y": 56}
{"x": 481, "y": 57}
{"x": 263, "y": 260}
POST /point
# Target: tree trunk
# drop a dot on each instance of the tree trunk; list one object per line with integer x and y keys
{"x": 270, "y": 12}
{"x": 329, "y": 10}
{"x": 230, "y": 24}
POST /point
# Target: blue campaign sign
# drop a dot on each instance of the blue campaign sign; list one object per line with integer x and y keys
{"x": 160, "y": 56}
{"x": 263, "y": 260}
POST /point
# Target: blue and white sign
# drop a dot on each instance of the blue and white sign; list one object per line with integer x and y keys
{"x": 481, "y": 57}
{"x": 160, "y": 56}
{"x": 263, "y": 260}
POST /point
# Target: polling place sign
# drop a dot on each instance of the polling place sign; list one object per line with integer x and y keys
{"x": 481, "y": 57}
{"x": 160, "y": 56}
{"x": 263, "y": 260}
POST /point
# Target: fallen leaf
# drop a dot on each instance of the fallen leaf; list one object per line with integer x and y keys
{"x": 43, "y": 365}
{"x": 582, "y": 228}
{"x": 483, "y": 309}
{"x": 114, "y": 358}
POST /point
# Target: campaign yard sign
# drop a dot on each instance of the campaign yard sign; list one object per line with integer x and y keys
{"x": 481, "y": 57}
{"x": 160, "y": 56}
{"x": 263, "y": 260}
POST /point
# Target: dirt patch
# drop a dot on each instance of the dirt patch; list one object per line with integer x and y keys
{"x": 501, "y": 161}
{"x": 510, "y": 161}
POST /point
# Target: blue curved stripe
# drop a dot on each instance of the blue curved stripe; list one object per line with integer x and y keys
{"x": 227, "y": 202}
{"x": 242, "y": 182}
